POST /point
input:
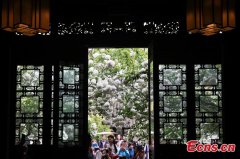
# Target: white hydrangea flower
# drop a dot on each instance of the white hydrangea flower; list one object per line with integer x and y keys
{"x": 121, "y": 72}
{"x": 106, "y": 88}
{"x": 99, "y": 65}
{"x": 93, "y": 81}
{"x": 113, "y": 88}
{"x": 105, "y": 83}
{"x": 110, "y": 80}
{"x": 120, "y": 117}
{"x": 96, "y": 55}
{"x": 91, "y": 69}
{"x": 107, "y": 57}
{"x": 100, "y": 84}
{"x": 99, "y": 99}
{"x": 117, "y": 82}
{"x": 140, "y": 81}
{"x": 108, "y": 95}
{"x": 132, "y": 53}
{"x": 119, "y": 97}
{"x": 143, "y": 76}
{"x": 142, "y": 70}
{"x": 136, "y": 85}
{"x": 90, "y": 62}
{"x": 91, "y": 93}
{"x": 113, "y": 99}
{"x": 133, "y": 110}
{"x": 95, "y": 72}
{"x": 94, "y": 125}
{"x": 145, "y": 63}
{"x": 137, "y": 102}
{"x": 90, "y": 89}
{"x": 110, "y": 63}
{"x": 106, "y": 104}
{"x": 144, "y": 90}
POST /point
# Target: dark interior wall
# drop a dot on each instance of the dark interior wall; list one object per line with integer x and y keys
{"x": 4, "y": 103}
{"x": 232, "y": 87}
{"x": 5, "y": 95}
{"x": 119, "y": 8}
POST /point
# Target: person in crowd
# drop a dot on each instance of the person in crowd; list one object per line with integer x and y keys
{"x": 123, "y": 153}
{"x": 146, "y": 150}
{"x": 111, "y": 144}
{"x": 131, "y": 150}
{"x": 105, "y": 154}
{"x": 119, "y": 137}
{"x": 102, "y": 142}
{"x": 139, "y": 153}
{"x": 94, "y": 143}
{"x": 97, "y": 153}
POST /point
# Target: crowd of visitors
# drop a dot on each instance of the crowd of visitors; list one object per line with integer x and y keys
{"x": 111, "y": 148}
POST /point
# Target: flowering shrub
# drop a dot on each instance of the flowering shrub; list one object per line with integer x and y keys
{"x": 118, "y": 88}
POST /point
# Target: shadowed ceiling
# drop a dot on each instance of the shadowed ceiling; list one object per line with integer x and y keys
{"x": 73, "y": 9}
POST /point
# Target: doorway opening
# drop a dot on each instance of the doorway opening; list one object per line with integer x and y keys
{"x": 119, "y": 97}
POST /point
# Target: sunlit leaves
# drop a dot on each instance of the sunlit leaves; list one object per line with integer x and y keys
{"x": 173, "y": 131}
{"x": 30, "y": 78}
{"x": 68, "y": 132}
{"x": 209, "y": 104}
{"x": 68, "y": 104}
{"x": 68, "y": 76}
{"x": 209, "y": 131}
{"x": 208, "y": 86}
{"x": 29, "y": 104}
{"x": 172, "y": 104}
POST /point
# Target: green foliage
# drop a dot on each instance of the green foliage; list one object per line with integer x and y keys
{"x": 118, "y": 88}
{"x": 29, "y": 104}
{"x": 68, "y": 104}
{"x": 30, "y": 77}
{"x": 30, "y": 130}
{"x": 95, "y": 125}
{"x": 173, "y": 131}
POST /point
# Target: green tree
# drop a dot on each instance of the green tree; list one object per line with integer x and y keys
{"x": 118, "y": 88}
{"x": 96, "y": 125}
